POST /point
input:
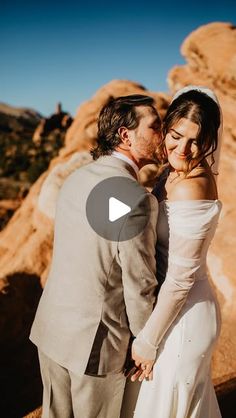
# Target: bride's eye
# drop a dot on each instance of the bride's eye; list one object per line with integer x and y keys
{"x": 175, "y": 137}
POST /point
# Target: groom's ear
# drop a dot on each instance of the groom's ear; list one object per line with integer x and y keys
{"x": 124, "y": 136}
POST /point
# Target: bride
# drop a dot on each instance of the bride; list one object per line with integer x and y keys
{"x": 180, "y": 335}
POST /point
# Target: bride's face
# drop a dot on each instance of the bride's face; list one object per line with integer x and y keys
{"x": 181, "y": 144}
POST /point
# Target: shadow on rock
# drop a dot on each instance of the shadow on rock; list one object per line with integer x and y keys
{"x": 20, "y": 382}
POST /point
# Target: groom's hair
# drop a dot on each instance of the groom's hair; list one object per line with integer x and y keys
{"x": 118, "y": 112}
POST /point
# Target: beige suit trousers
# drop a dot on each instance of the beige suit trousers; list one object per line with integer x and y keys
{"x": 67, "y": 395}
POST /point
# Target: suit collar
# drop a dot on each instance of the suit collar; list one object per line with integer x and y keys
{"x": 117, "y": 162}
{"x": 128, "y": 160}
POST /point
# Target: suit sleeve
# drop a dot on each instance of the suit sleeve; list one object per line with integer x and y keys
{"x": 138, "y": 264}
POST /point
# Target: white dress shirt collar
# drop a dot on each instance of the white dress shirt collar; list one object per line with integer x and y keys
{"x": 127, "y": 160}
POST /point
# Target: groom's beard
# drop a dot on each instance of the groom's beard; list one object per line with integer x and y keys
{"x": 157, "y": 157}
{"x": 153, "y": 159}
{"x": 145, "y": 149}
{"x": 160, "y": 156}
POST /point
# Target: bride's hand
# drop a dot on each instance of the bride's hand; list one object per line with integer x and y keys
{"x": 141, "y": 374}
{"x": 145, "y": 368}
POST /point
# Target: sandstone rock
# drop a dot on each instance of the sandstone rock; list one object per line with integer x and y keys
{"x": 35, "y": 414}
{"x": 52, "y": 184}
{"x": 210, "y": 56}
{"x": 59, "y": 120}
{"x": 7, "y": 208}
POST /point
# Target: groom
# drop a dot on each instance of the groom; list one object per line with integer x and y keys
{"x": 99, "y": 292}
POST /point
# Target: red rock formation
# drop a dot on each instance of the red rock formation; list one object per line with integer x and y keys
{"x": 59, "y": 121}
{"x": 7, "y": 208}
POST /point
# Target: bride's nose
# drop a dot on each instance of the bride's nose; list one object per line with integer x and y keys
{"x": 183, "y": 146}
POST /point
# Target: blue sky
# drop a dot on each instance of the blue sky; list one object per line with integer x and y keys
{"x": 65, "y": 51}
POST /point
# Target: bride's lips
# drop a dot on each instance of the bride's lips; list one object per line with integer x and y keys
{"x": 181, "y": 156}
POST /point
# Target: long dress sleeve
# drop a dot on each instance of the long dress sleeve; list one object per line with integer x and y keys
{"x": 190, "y": 222}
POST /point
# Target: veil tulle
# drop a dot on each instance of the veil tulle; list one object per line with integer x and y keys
{"x": 212, "y": 95}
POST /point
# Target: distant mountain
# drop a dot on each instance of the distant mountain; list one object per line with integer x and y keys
{"x": 16, "y": 119}
{"x": 19, "y": 111}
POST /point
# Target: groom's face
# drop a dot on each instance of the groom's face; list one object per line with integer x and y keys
{"x": 147, "y": 136}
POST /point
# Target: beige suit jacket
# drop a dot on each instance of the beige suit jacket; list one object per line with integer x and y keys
{"x": 98, "y": 292}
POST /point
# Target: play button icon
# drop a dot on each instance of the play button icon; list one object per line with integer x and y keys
{"x": 118, "y": 208}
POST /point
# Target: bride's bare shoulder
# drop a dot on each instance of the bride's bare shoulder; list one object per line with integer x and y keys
{"x": 195, "y": 187}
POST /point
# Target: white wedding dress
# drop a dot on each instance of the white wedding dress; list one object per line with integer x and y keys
{"x": 185, "y": 324}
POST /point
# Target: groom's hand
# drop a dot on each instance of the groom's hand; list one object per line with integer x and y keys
{"x": 145, "y": 368}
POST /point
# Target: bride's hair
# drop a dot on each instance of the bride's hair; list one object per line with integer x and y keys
{"x": 201, "y": 109}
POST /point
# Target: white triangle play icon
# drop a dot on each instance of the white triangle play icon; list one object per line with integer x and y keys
{"x": 117, "y": 209}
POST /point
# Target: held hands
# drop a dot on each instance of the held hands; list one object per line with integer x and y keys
{"x": 145, "y": 368}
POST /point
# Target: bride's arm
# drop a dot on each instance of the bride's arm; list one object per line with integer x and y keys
{"x": 189, "y": 223}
